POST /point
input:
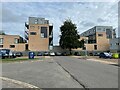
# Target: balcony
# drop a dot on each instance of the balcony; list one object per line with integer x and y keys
{"x": 26, "y": 31}
{"x": 26, "y": 25}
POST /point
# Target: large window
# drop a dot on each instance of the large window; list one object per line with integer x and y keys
{"x": 32, "y": 33}
{"x": 44, "y": 32}
{"x": 109, "y": 33}
{"x": 100, "y": 35}
{"x": 117, "y": 44}
{"x": 36, "y": 21}
{"x": 95, "y": 47}
{"x": 1, "y": 40}
{"x": 12, "y": 46}
{"x": 98, "y": 28}
{"x": 1, "y": 46}
{"x": 16, "y": 41}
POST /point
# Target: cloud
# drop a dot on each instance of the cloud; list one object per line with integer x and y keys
{"x": 101, "y": 20}
{"x": 84, "y": 14}
{"x": 86, "y": 24}
{"x": 10, "y": 17}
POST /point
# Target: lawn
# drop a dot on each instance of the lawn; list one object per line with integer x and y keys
{"x": 7, "y": 60}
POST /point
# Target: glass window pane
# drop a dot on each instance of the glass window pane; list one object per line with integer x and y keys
{"x": 1, "y": 40}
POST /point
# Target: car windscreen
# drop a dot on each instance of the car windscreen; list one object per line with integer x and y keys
{"x": 107, "y": 54}
{"x": 5, "y": 51}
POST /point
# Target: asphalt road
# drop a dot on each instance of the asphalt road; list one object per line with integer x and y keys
{"x": 90, "y": 74}
{"x": 63, "y": 72}
{"x": 43, "y": 74}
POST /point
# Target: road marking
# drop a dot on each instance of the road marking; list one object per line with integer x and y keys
{"x": 19, "y": 82}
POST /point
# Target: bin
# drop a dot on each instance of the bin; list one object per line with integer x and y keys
{"x": 31, "y": 55}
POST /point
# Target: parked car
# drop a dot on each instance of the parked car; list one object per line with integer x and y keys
{"x": 96, "y": 54}
{"x": 67, "y": 53}
{"x": 105, "y": 55}
{"x": 39, "y": 54}
{"x": 46, "y": 53}
{"x": 91, "y": 54}
{"x": 58, "y": 54}
{"x": 19, "y": 54}
{"x": 64, "y": 54}
{"x": 7, "y": 53}
{"x": 77, "y": 53}
{"x": 52, "y": 54}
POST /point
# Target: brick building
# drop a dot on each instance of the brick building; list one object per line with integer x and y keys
{"x": 39, "y": 34}
{"x": 97, "y": 38}
{"x": 13, "y": 42}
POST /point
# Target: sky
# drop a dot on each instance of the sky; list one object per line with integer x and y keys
{"x": 84, "y": 14}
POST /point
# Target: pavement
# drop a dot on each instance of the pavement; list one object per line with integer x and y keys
{"x": 11, "y": 83}
{"x": 97, "y": 59}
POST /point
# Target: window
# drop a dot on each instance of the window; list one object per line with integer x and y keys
{"x": 32, "y": 33}
{"x": 16, "y": 41}
{"x": 98, "y": 28}
{"x": 36, "y": 21}
{"x": 100, "y": 35}
{"x": 44, "y": 32}
{"x": 95, "y": 47}
{"x": 117, "y": 44}
{"x": 109, "y": 33}
{"x": 1, "y": 40}
{"x": 12, "y": 46}
{"x": 42, "y": 35}
{"x": 111, "y": 45}
{"x": 1, "y": 46}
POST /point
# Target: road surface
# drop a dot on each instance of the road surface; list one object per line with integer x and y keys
{"x": 89, "y": 73}
{"x": 42, "y": 73}
{"x": 63, "y": 72}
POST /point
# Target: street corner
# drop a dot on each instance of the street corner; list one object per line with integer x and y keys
{"x": 11, "y": 83}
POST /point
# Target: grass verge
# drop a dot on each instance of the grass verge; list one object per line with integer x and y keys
{"x": 7, "y": 60}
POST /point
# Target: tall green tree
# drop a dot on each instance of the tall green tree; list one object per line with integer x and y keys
{"x": 69, "y": 36}
{"x": 2, "y": 33}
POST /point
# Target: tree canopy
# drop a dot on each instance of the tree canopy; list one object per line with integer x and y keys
{"x": 69, "y": 36}
{"x": 2, "y": 33}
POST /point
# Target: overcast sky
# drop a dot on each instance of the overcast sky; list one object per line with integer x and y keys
{"x": 84, "y": 14}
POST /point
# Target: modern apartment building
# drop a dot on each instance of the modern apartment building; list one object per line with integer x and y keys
{"x": 98, "y": 38}
{"x": 115, "y": 45}
{"x": 13, "y": 42}
{"x": 39, "y": 34}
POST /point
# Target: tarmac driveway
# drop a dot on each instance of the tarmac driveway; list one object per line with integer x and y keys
{"x": 43, "y": 74}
